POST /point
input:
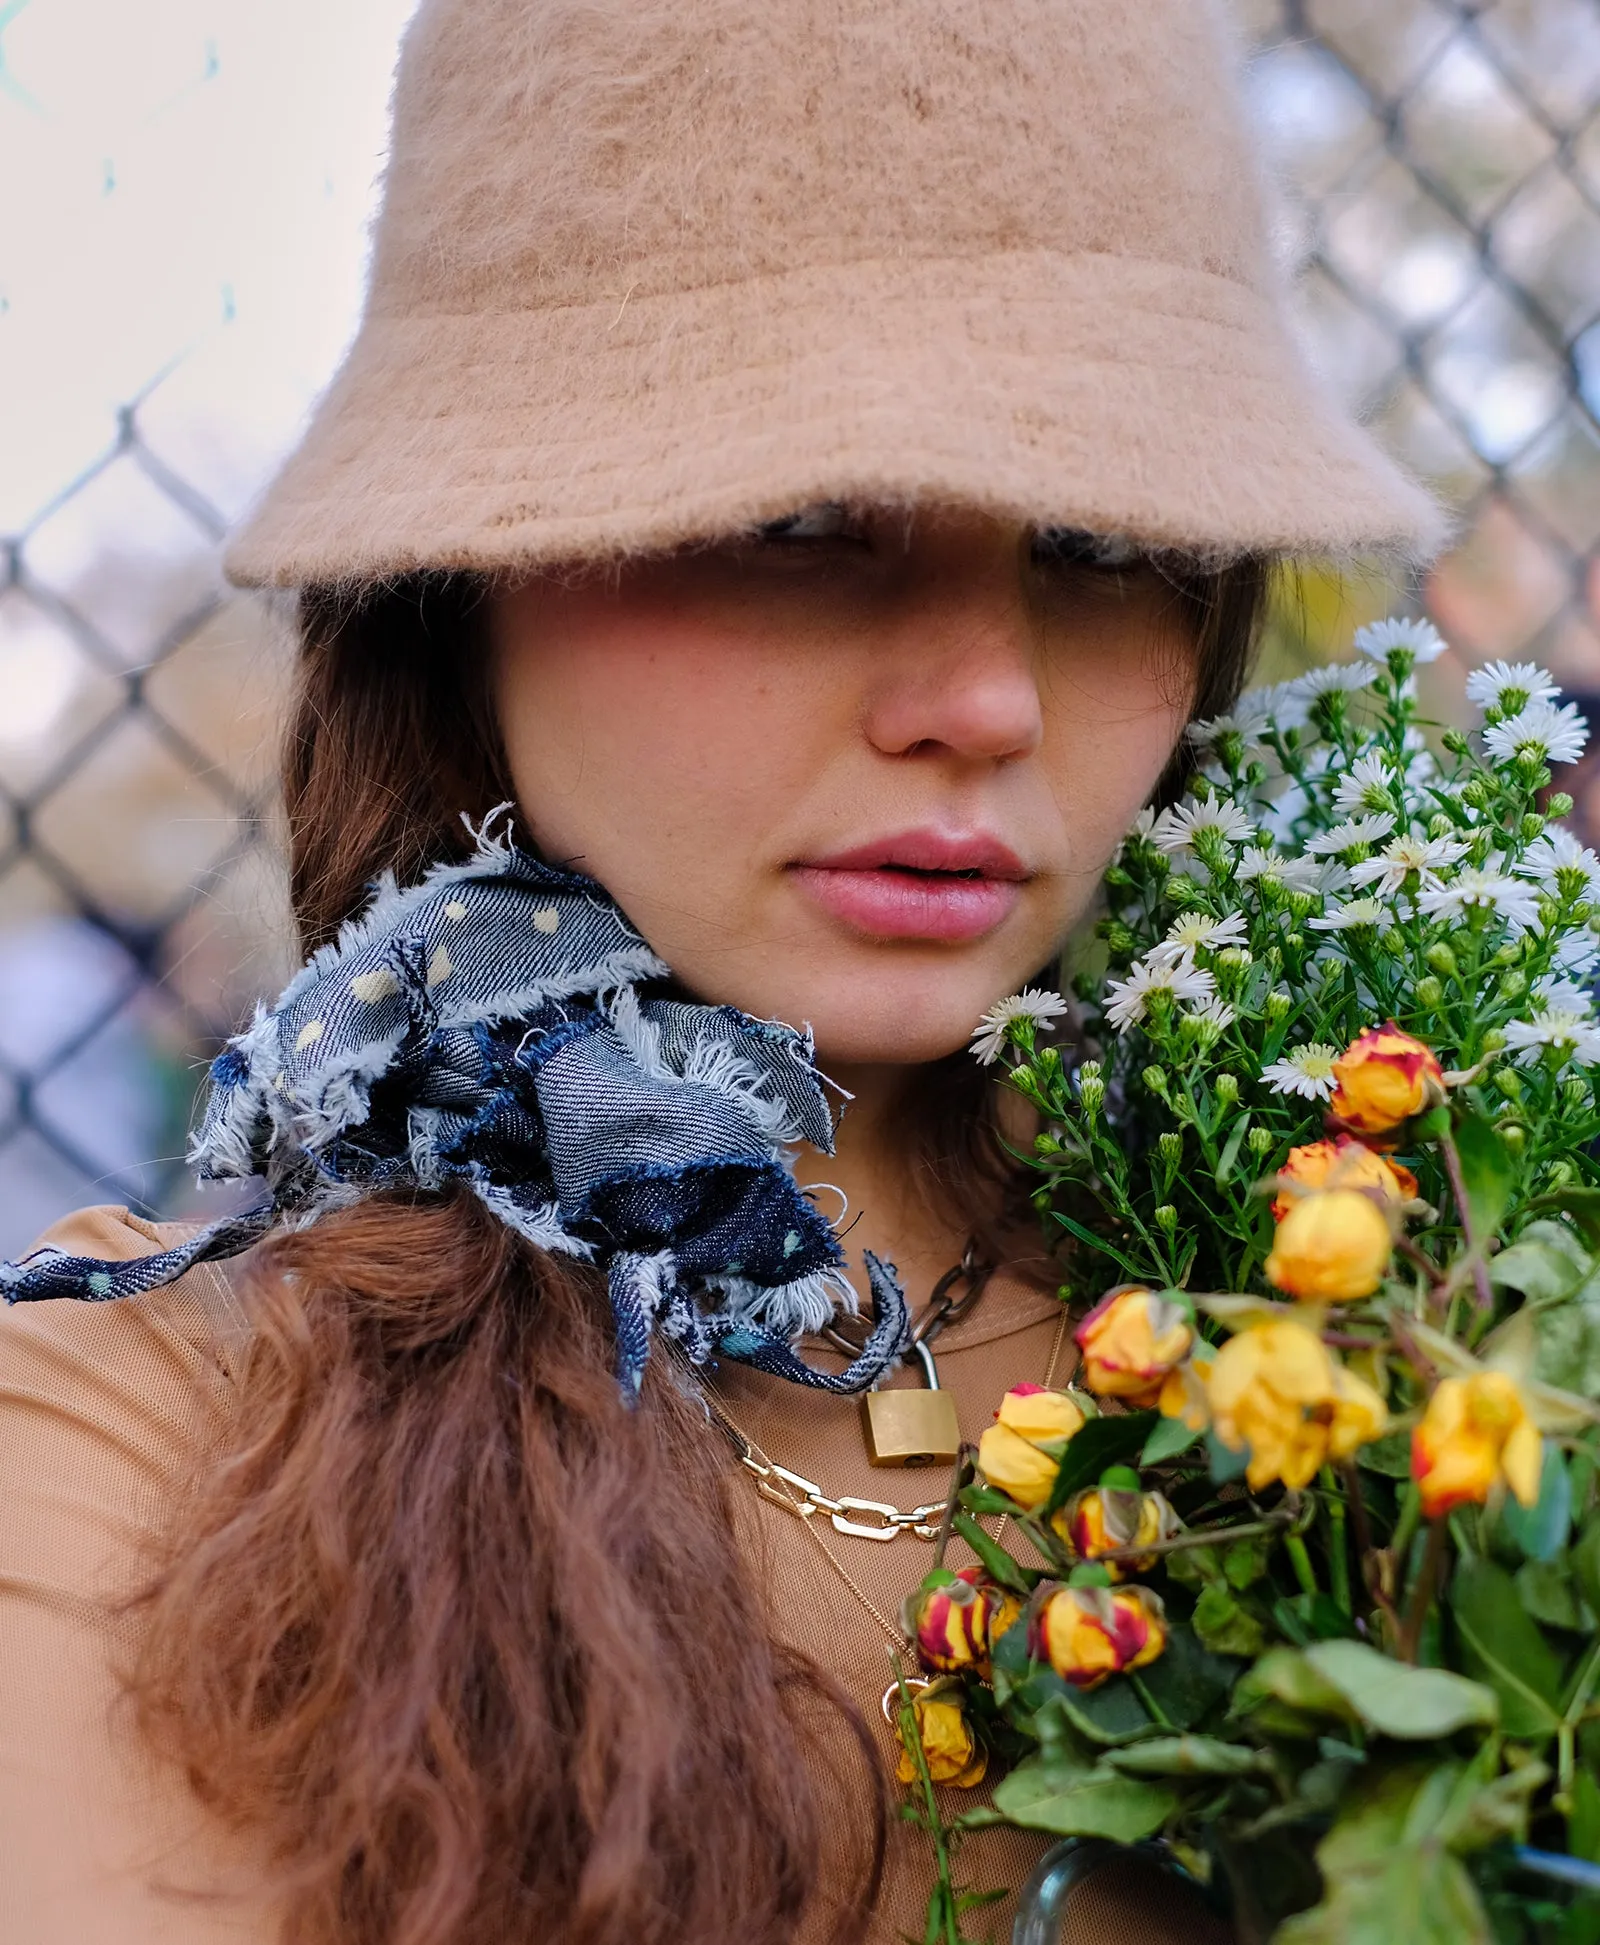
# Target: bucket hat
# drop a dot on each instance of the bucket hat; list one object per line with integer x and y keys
{"x": 652, "y": 270}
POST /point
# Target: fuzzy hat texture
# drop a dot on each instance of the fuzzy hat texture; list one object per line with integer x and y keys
{"x": 653, "y": 270}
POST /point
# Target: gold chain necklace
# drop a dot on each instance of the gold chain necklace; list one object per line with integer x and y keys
{"x": 804, "y": 1498}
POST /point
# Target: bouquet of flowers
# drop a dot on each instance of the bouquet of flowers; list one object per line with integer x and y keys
{"x": 1304, "y": 1571}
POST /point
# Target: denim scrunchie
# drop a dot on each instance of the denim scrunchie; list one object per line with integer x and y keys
{"x": 487, "y": 1026}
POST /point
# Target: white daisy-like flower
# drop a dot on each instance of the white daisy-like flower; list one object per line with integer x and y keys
{"x": 1355, "y": 911}
{"x": 1578, "y": 953}
{"x": 1369, "y": 785}
{"x": 1195, "y": 930}
{"x": 1128, "y": 1000}
{"x": 1516, "y": 902}
{"x": 1307, "y": 1071}
{"x": 1179, "y": 828}
{"x": 1420, "y": 639}
{"x": 1526, "y": 680}
{"x": 1574, "y": 1033}
{"x": 1275, "y": 706}
{"x": 1558, "y": 852}
{"x": 1553, "y": 994}
{"x": 1353, "y": 831}
{"x": 993, "y": 1029}
{"x": 1214, "y": 1012}
{"x": 1332, "y": 677}
{"x": 1427, "y": 856}
{"x": 1293, "y": 874}
{"x": 1539, "y": 729}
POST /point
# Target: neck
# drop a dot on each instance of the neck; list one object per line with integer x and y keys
{"x": 874, "y": 1164}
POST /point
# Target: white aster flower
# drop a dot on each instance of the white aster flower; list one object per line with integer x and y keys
{"x": 1355, "y": 911}
{"x": 1553, "y": 994}
{"x": 1293, "y": 874}
{"x": 1427, "y": 856}
{"x": 1031, "y": 1004}
{"x": 1492, "y": 891}
{"x": 1307, "y": 1071}
{"x": 1556, "y": 852}
{"x": 1214, "y": 1012}
{"x": 1353, "y": 831}
{"x": 1129, "y": 999}
{"x": 1274, "y": 706}
{"x": 1177, "y": 829}
{"x": 1540, "y": 729}
{"x": 1196, "y": 929}
{"x": 1332, "y": 677}
{"x": 1526, "y": 680}
{"x": 1578, "y": 953}
{"x": 1420, "y": 639}
{"x": 1368, "y": 785}
{"x": 1573, "y": 1033}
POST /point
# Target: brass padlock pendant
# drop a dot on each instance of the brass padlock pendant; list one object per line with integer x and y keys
{"x": 912, "y": 1428}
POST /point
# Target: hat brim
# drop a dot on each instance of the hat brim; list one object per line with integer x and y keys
{"x": 1094, "y": 391}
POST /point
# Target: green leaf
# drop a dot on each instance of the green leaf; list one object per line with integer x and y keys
{"x": 1245, "y": 1561}
{"x": 1109, "y": 1715}
{"x": 1488, "y": 1171}
{"x": 1541, "y": 1529}
{"x": 1389, "y": 1456}
{"x": 993, "y": 1558}
{"x": 1230, "y": 1154}
{"x": 1582, "y": 1204}
{"x": 1089, "y": 1573}
{"x": 1224, "y": 1626}
{"x": 1567, "y": 1340}
{"x": 1075, "y": 1802}
{"x": 1547, "y": 1591}
{"x": 1168, "y": 1437}
{"x": 1394, "y": 1700}
{"x": 1502, "y": 1646}
{"x": 1285, "y": 1675}
{"x": 1129, "y": 1269}
{"x": 1586, "y": 1563}
{"x": 987, "y": 1501}
{"x": 1187, "y": 1756}
{"x": 1421, "y": 1896}
{"x": 1187, "y": 1681}
{"x": 1100, "y": 1443}
{"x": 1310, "y": 1617}
{"x": 1545, "y": 1263}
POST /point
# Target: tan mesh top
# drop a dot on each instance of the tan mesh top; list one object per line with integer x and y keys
{"x": 101, "y": 1409}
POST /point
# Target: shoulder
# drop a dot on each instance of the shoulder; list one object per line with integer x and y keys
{"x": 105, "y": 1407}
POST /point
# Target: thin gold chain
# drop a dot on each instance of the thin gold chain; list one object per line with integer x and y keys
{"x": 771, "y": 1481}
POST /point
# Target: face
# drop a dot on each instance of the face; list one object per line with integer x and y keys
{"x": 862, "y": 773}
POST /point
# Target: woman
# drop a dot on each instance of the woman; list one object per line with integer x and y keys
{"x": 810, "y": 462}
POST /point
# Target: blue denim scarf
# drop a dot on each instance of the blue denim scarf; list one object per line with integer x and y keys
{"x": 487, "y": 1027}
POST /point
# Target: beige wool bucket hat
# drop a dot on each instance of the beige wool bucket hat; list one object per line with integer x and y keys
{"x": 653, "y": 270}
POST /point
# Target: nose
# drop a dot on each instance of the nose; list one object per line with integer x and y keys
{"x": 960, "y": 674}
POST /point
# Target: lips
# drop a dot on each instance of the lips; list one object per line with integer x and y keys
{"x": 925, "y": 884}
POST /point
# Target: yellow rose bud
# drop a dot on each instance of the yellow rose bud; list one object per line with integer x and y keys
{"x": 1088, "y": 1633}
{"x": 1130, "y": 1341}
{"x": 1274, "y": 1389}
{"x": 1342, "y": 1164}
{"x": 950, "y": 1624}
{"x": 950, "y": 1749}
{"x": 1106, "y": 1519}
{"x": 1331, "y": 1247}
{"x": 1475, "y": 1430}
{"x": 1021, "y": 1452}
{"x": 1384, "y": 1078}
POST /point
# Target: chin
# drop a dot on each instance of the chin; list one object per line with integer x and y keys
{"x": 889, "y": 1026}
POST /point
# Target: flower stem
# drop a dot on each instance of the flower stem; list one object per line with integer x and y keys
{"x": 1366, "y": 1552}
{"x": 1208, "y": 1536}
{"x": 911, "y": 1741}
{"x": 1338, "y": 1555}
{"x": 1458, "y": 1188}
{"x": 1423, "y": 1589}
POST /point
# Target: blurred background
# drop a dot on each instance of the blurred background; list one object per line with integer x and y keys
{"x": 182, "y": 244}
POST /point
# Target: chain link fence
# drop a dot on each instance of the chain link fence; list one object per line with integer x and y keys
{"x": 1441, "y": 162}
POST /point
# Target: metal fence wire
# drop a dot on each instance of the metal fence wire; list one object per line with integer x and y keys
{"x": 1441, "y": 171}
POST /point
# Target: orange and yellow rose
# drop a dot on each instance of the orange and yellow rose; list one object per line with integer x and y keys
{"x": 1106, "y": 1518}
{"x": 1331, "y": 1247}
{"x": 949, "y": 1748}
{"x": 1344, "y": 1163}
{"x": 956, "y": 1625}
{"x": 1275, "y": 1391}
{"x": 1021, "y": 1451}
{"x": 1384, "y": 1078}
{"x": 1088, "y": 1633}
{"x": 1130, "y": 1341}
{"x": 1475, "y": 1431}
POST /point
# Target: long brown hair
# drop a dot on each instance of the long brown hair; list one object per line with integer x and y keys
{"x": 464, "y": 1641}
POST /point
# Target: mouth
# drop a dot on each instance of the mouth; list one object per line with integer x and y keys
{"x": 933, "y": 885}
